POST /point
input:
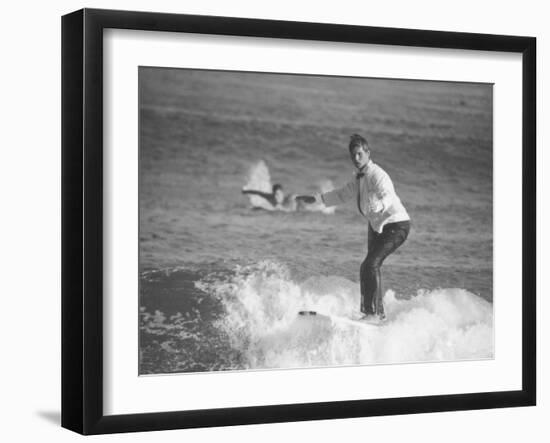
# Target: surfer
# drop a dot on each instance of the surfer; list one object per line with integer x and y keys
{"x": 276, "y": 198}
{"x": 388, "y": 221}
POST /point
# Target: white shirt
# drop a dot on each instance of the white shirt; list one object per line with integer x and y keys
{"x": 374, "y": 195}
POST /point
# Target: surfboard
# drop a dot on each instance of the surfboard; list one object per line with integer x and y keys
{"x": 317, "y": 318}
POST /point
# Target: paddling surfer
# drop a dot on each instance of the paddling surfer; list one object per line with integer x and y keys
{"x": 373, "y": 192}
{"x": 276, "y": 198}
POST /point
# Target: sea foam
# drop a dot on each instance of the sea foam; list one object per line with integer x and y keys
{"x": 262, "y": 304}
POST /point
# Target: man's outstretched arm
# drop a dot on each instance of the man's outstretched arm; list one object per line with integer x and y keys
{"x": 331, "y": 198}
{"x": 340, "y": 195}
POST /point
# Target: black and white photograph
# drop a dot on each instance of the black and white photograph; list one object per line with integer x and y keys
{"x": 295, "y": 221}
{"x": 275, "y": 221}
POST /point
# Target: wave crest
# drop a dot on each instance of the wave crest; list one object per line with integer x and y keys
{"x": 262, "y": 302}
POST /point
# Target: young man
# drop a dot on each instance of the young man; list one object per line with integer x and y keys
{"x": 372, "y": 191}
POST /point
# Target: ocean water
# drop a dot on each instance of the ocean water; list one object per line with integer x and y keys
{"x": 221, "y": 283}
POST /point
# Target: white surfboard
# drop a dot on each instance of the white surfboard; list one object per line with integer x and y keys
{"x": 317, "y": 318}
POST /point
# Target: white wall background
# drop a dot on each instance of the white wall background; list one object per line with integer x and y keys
{"x": 30, "y": 218}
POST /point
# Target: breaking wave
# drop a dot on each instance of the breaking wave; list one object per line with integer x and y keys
{"x": 261, "y": 303}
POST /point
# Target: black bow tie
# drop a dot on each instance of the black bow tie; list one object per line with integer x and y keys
{"x": 359, "y": 175}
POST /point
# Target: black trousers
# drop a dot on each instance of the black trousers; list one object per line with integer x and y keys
{"x": 380, "y": 245}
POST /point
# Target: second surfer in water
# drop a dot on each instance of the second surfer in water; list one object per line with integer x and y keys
{"x": 388, "y": 221}
{"x": 276, "y": 198}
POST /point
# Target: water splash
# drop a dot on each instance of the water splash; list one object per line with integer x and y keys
{"x": 262, "y": 302}
{"x": 259, "y": 179}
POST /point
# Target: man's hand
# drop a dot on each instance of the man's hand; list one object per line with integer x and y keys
{"x": 308, "y": 199}
{"x": 375, "y": 205}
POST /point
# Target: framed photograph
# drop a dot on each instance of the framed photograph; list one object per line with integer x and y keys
{"x": 268, "y": 221}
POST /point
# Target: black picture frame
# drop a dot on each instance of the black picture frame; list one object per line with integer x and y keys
{"x": 82, "y": 220}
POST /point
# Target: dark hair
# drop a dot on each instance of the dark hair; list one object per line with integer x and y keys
{"x": 357, "y": 141}
{"x": 276, "y": 187}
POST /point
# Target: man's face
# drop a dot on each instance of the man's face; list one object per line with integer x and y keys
{"x": 279, "y": 196}
{"x": 359, "y": 157}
